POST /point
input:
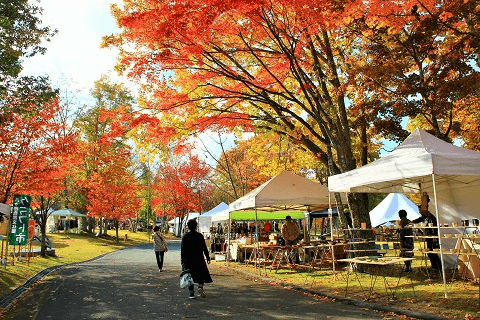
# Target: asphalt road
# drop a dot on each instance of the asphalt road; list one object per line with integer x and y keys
{"x": 127, "y": 285}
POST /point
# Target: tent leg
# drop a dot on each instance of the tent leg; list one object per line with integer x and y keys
{"x": 330, "y": 216}
{"x": 439, "y": 236}
{"x": 258, "y": 239}
{"x": 228, "y": 239}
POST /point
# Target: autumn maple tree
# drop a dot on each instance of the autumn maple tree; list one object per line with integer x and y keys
{"x": 113, "y": 188}
{"x": 293, "y": 67}
{"x": 270, "y": 65}
{"x": 420, "y": 61}
{"x": 174, "y": 187}
{"x": 105, "y": 158}
{"x": 37, "y": 149}
{"x": 253, "y": 161}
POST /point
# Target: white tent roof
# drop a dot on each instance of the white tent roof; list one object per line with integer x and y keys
{"x": 67, "y": 213}
{"x": 220, "y": 216}
{"x": 410, "y": 166}
{"x": 286, "y": 191}
{"x": 423, "y": 163}
{"x": 387, "y": 210}
{"x": 205, "y": 219}
{"x": 221, "y": 206}
{"x": 176, "y": 220}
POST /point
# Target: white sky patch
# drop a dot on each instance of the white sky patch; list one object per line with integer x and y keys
{"x": 74, "y": 59}
{"x": 74, "y": 52}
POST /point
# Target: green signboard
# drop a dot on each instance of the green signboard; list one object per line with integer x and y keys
{"x": 19, "y": 220}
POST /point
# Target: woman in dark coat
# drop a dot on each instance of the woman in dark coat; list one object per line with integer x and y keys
{"x": 192, "y": 254}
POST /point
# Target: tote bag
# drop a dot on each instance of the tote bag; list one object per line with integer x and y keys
{"x": 186, "y": 279}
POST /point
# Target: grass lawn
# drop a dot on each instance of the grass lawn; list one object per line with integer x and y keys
{"x": 463, "y": 294}
{"x": 69, "y": 248}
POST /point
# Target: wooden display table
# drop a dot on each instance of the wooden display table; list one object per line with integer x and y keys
{"x": 378, "y": 263}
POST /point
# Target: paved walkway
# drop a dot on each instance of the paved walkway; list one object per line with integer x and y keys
{"x": 127, "y": 285}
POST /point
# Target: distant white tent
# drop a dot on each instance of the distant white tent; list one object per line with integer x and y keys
{"x": 65, "y": 220}
{"x": 387, "y": 210}
{"x": 67, "y": 213}
{"x": 205, "y": 219}
{"x": 173, "y": 224}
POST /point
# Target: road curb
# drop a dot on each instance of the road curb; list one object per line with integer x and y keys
{"x": 346, "y": 300}
{"x": 16, "y": 293}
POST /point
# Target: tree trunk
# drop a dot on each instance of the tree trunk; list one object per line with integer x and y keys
{"x": 105, "y": 226}
{"x": 116, "y": 230}
{"x": 43, "y": 246}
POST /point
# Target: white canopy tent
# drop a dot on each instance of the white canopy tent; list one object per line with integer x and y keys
{"x": 205, "y": 219}
{"x": 4, "y": 209}
{"x": 176, "y": 227}
{"x": 387, "y": 210}
{"x": 285, "y": 192}
{"x": 422, "y": 163}
{"x": 61, "y": 219}
{"x": 67, "y": 213}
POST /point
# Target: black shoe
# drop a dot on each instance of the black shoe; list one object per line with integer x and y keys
{"x": 192, "y": 295}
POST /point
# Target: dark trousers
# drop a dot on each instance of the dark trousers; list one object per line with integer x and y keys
{"x": 435, "y": 260}
{"x": 293, "y": 253}
{"x": 159, "y": 256}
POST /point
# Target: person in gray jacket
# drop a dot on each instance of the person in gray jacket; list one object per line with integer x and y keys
{"x": 159, "y": 246}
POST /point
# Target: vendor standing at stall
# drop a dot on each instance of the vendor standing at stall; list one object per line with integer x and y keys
{"x": 290, "y": 233}
{"x": 430, "y": 231}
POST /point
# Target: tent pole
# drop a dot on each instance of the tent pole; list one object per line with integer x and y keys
{"x": 258, "y": 239}
{"x": 228, "y": 238}
{"x": 330, "y": 215}
{"x": 439, "y": 236}
{"x": 8, "y": 238}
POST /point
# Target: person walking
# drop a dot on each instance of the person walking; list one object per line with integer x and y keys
{"x": 406, "y": 239}
{"x": 192, "y": 252}
{"x": 159, "y": 246}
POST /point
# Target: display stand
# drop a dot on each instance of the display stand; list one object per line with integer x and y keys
{"x": 468, "y": 252}
{"x": 379, "y": 264}
{"x": 324, "y": 254}
{"x": 467, "y": 247}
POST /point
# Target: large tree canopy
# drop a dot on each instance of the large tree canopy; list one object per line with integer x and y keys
{"x": 293, "y": 67}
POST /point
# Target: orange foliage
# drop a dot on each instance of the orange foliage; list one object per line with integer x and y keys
{"x": 174, "y": 187}
{"x": 35, "y": 153}
{"x": 112, "y": 188}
